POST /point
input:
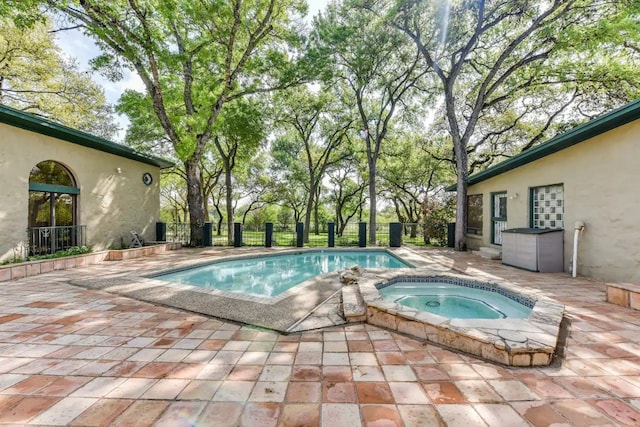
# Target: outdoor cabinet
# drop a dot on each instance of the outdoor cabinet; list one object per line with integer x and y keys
{"x": 533, "y": 249}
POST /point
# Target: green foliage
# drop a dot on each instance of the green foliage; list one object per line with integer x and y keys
{"x": 436, "y": 214}
{"x": 72, "y": 251}
{"x": 35, "y": 77}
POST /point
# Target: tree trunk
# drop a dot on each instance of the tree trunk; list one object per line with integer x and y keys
{"x": 372, "y": 202}
{"x": 461, "y": 197}
{"x": 229, "y": 201}
{"x": 194, "y": 200}
{"x": 309, "y": 210}
{"x": 316, "y": 214}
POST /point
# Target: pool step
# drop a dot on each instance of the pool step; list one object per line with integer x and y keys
{"x": 353, "y": 305}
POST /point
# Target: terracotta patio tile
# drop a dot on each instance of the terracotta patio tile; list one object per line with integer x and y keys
{"x": 419, "y": 415}
{"x": 419, "y": 357}
{"x": 338, "y": 392}
{"x": 374, "y": 392}
{"x": 26, "y": 409}
{"x": 444, "y": 392}
{"x": 391, "y": 358}
{"x": 125, "y": 369}
{"x": 300, "y": 415}
{"x": 430, "y": 373}
{"x": 387, "y": 415}
{"x": 500, "y": 414}
{"x": 539, "y": 413}
{"x": 385, "y": 345}
{"x": 336, "y": 373}
{"x": 30, "y": 385}
{"x": 102, "y": 413}
{"x": 356, "y": 346}
{"x": 260, "y": 414}
{"x": 619, "y": 411}
{"x": 367, "y": 373}
{"x": 303, "y": 392}
{"x": 180, "y": 414}
{"x": 306, "y": 373}
{"x": 166, "y": 388}
{"x": 245, "y": 373}
{"x": 155, "y": 370}
{"x": 222, "y": 414}
{"x": 64, "y": 411}
{"x": 186, "y": 370}
{"x": 580, "y": 413}
{"x": 64, "y": 386}
{"x": 546, "y": 388}
{"x": 582, "y": 388}
{"x": 459, "y": 415}
{"x": 478, "y": 391}
{"x": 214, "y": 344}
{"x": 408, "y": 393}
{"x": 336, "y": 414}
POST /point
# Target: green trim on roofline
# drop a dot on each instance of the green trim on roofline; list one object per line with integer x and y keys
{"x": 43, "y": 126}
{"x": 611, "y": 120}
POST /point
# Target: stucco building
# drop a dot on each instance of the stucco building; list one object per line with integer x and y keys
{"x": 590, "y": 174}
{"x": 62, "y": 187}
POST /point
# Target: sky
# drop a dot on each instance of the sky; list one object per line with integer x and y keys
{"x": 83, "y": 49}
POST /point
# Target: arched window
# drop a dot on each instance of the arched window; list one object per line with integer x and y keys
{"x": 53, "y": 194}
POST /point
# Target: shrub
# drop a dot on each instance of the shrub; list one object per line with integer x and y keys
{"x": 436, "y": 214}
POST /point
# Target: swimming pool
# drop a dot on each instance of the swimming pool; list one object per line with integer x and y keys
{"x": 271, "y": 275}
{"x": 456, "y": 301}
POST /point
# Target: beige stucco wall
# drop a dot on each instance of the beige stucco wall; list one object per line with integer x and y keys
{"x": 110, "y": 204}
{"x": 601, "y": 178}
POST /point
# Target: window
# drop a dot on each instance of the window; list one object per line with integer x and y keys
{"x": 547, "y": 204}
{"x": 474, "y": 214}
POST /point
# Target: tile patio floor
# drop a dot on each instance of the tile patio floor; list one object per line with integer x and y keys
{"x": 71, "y": 356}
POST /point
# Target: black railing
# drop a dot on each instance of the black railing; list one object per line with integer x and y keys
{"x": 49, "y": 240}
{"x": 179, "y": 232}
{"x": 286, "y": 235}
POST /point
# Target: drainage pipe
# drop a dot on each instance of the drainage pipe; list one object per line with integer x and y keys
{"x": 577, "y": 229}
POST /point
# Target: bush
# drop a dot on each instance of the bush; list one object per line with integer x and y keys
{"x": 74, "y": 250}
{"x": 436, "y": 214}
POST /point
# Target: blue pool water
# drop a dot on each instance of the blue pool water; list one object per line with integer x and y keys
{"x": 269, "y": 276}
{"x": 453, "y": 301}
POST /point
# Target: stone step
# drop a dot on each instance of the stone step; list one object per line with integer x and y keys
{"x": 490, "y": 253}
{"x": 352, "y": 304}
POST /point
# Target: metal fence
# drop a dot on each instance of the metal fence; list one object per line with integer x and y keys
{"x": 179, "y": 232}
{"x": 285, "y": 235}
{"x": 49, "y": 240}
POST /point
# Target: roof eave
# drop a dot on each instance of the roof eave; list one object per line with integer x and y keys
{"x": 46, "y": 127}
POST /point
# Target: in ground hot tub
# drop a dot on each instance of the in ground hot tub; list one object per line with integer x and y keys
{"x": 495, "y": 321}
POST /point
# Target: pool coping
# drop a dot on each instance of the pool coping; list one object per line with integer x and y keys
{"x": 514, "y": 342}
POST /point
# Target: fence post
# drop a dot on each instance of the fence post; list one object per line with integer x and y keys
{"x": 300, "y": 234}
{"x": 237, "y": 234}
{"x": 161, "y": 231}
{"x": 395, "y": 234}
{"x": 268, "y": 235}
{"x": 207, "y": 230}
{"x": 362, "y": 234}
{"x": 331, "y": 230}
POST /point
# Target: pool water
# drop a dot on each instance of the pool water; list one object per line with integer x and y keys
{"x": 454, "y": 301}
{"x": 269, "y": 276}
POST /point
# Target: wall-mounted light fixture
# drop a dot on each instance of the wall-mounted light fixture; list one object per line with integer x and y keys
{"x": 513, "y": 196}
{"x": 118, "y": 171}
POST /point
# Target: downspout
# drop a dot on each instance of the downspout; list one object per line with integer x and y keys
{"x": 577, "y": 229}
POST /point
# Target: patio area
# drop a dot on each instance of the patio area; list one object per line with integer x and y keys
{"x": 76, "y": 356}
